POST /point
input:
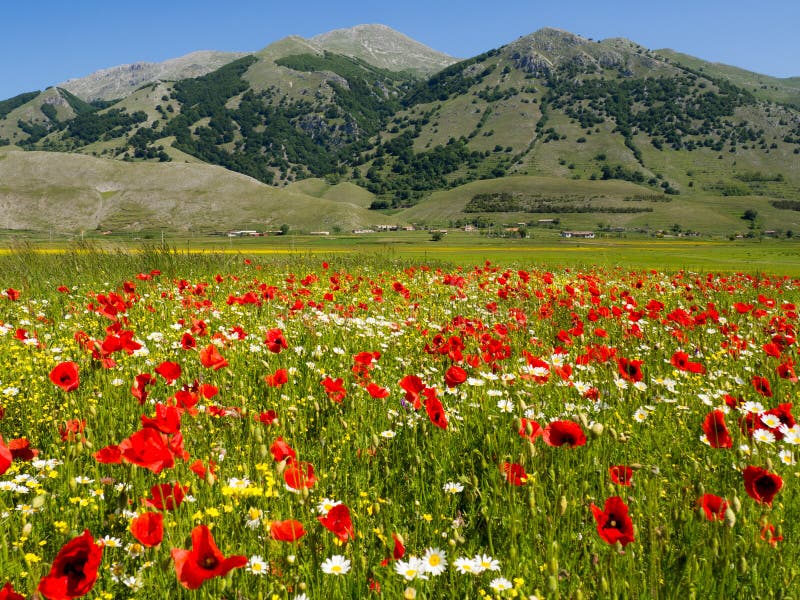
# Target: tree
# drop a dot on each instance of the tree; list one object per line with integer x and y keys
{"x": 750, "y": 215}
{"x": 436, "y": 236}
{"x": 284, "y": 229}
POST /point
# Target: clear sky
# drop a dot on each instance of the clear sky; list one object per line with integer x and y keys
{"x": 45, "y": 42}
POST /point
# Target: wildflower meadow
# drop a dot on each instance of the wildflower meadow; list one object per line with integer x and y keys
{"x": 209, "y": 426}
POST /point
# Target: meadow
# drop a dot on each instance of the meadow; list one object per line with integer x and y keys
{"x": 323, "y": 420}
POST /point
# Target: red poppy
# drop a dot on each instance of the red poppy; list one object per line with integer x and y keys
{"x": 12, "y": 294}
{"x": 201, "y": 470}
{"x": 5, "y": 456}
{"x": 281, "y": 450}
{"x": 338, "y": 521}
{"x": 769, "y": 536}
{"x": 147, "y": 448}
{"x": 188, "y": 342}
{"x": 613, "y": 523}
{"x": 620, "y": 474}
{"x": 334, "y": 388}
{"x": 564, "y": 433}
{"x": 761, "y": 385}
{"x": 435, "y": 410}
{"x": 70, "y": 430}
{"x": 65, "y": 376}
{"x": 713, "y": 506}
{"x": 8, "y": 593}
{"x": 716, "y": 431}
{"x": 786, "y": 371}
{"x": 170, "y": 371}
{"x": 267, "y": 417}
{"x": 275, "y": 341}
{"x": 167, "y": 419}
{"x": 680, "y": 360}
{"x": 631, "y": 370}
{"x": 299, "y": 475}
{"x": 761, "y": 485}
{"x": 413, "y": 386}
{"x": 148, "y": 528}
{"x": 204, "y": 561}
{"x": 278, "y": 378}
{"x": 454, "y": 376}
{"x": 139, "y": 387}
{"x": 514, "y": 472}
{"x": 74, "y": 569}
{"x": 286, "y": 531}
{"x": 21, "y": 449}
{"x": 108, "y": 455}
{"x": 210, "y": 358}
{"x": 164, "y": 496}
{"x": 529, "y": 429}
{"x": 377, "y": 391}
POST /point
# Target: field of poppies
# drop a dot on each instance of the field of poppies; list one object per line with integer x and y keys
{"x": 208, "y": 426}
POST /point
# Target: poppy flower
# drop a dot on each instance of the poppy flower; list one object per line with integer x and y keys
{"x": 275, "y": 341}
{"x": 337, "y": 520}
{"x": 167, "y": 419}
{"x": 761, "y": 485}
{"x": 334, "y": 388}
{"x": 454, "y": 376}
{"x": 278, "y": 378}
{"x": 435, "y": 411}
{"x": 620, "y": 474}
{"x": 768, "y": 534}
{"x": 713, "y": 506}
{"x": 65, "y": 376}
{"x": 210, "y": 358}
{"x": 514, "y": 472}
{"x": 139, "y": 387}
{"x": 147, "y": 448}
{"x": 188, "y": 342}
{"x": 281, "y": 450}
{"x": 564, "y": 433}
{"x": 204, "y": 561}
{"x": 164, "y": 496}
{"x": 413, "y": 386}
{"x": 299, "y": 475}
{"x": 630, "y": 370}
{"x": 529, "y": 429}
{"x": 170, "y": 371}
{"x": 680, "y": 360}
{"x": 377, "y": 391}
{"x": 286, "y": 531}
{"x": 5, "y": 456}
{"x": 74, "y": 569}
{"x": 109, "y": 455}
{"x": 21, "y": 449}
{"x": 8, "y": 593}
{"x": 267, "y": 417}
{"x": 613, "y": 523}
{"x": 716, "y": 431}
{"x": 12, "y": 294}
{"x": 148, "y": 528}
{"x": 70, "y": 430}
{"x": 761, "y": 385}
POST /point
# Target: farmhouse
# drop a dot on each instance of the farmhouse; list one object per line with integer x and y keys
{"x": 589, "y": 235}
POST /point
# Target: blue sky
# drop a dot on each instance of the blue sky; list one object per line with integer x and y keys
{"x": 45, "y": 42}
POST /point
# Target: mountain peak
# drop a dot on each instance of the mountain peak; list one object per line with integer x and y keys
{"x": 384, "y": 47}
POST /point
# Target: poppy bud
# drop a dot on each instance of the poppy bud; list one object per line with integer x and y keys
{"x": 730, "y": 518}
{"x": 604, "y": 585}
{"x": 257, "y": 435}
{"x": 262, "y": 451}
{"x": 736, "y": 504}
{"x": 562, "y": 505}
{"x": 742, "y": 565}
{"x": 596, "y": 430}
{"x": 552, "y": 566}
{"x": 552, "y": 583}
{"x": 699, "y": 488}
{"x": 26, "y": 530}
{"x": 769, "y": 465}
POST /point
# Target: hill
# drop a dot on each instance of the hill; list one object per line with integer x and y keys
{"x": 342, "y": 111}
{"x": 71, "y": 192}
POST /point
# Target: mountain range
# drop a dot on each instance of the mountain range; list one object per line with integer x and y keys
{"x": 365, "y": 126}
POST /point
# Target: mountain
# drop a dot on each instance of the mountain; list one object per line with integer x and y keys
{"x": 772, "y": 89}
{"x": 481, "y": 140}
{"x": 383, "y": 47}
{"x": 118, "y": 82}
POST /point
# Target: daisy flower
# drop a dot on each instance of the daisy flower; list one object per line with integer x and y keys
{"x": 257, "y": 565}
{"x": 452, "y": 487}
{"x": 413, "y": 568}
{"x": 484, "y": 562}
{"x": 336, "y": 565}
{"x": 326, "y": 504}
{"x": 787, "y": 457}
{"x": 506, "y": 406}
{"x": 466, "y": 565}
{"x": 500, "y": 584}
{"x": 764, "y": 436}
{"x": 435, "y": 561}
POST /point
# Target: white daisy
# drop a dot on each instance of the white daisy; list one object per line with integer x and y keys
{"x": 435, "y": 561}
{"x": 326, "y": 504}
{"x": 500, "y": 584}
{"x": 484, "y": 562}
{"x": 411, "y": 569}
{"x": 764, "y": 436}
{"x": 257, "y": 565}
{"x": 787, "y": 457}
{"x": 465, "y": 565}
{"x": 336, "y": 565}
{"x": 452, "y": 487}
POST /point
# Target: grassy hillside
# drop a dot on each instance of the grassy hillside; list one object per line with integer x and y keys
{"x": 68, "y": 192}
{"x": 773, "y": 89}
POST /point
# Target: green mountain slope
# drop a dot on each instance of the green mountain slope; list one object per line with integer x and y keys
{"x": 773, "y": 89}
{"x": 549, "y": 107}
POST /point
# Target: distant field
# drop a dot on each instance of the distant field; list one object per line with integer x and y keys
{"x": 545, "y": 249}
